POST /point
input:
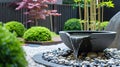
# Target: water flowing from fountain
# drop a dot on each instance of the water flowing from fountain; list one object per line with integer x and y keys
{"x": 76, "y": 41}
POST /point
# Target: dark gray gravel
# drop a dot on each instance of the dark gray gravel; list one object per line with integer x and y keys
{"x": 112, "y": 55}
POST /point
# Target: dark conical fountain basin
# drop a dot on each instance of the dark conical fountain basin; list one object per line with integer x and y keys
{"x": 95, "y": 41}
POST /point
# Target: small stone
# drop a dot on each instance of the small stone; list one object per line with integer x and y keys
{"x": 97, "y": 61}
{"x": 61, "y": 62}
{"x": 110, "y": 49}
{"x": 59, "y": 49}
{"x": 66, "y": 62}
{"x": 92, "y": 55}
{"x": 83, "y": 54}
{"x": 65, "y": 54}
{"x": 99, "y": 57}
{"x": 85, "y": 62}
{"x": 111, "y": 62}
{"x": 75, "y": 64}
{"x": 96, "y": 65}
{"x": 87, "y": 58}
{"x": 91, "y": 60}
{"x": 103, "y": 61}
{"x": 100, "y": 54}
{"x": 51, "y": 54}
{"x": 86, "y": 65}
{"x": 69, "y": 51}
{"x": 53, "y": 61}
{"x": 93, "y": 63}
{"x": 60, "y": 57}
{"x": 102, "y": 65}
{"x": 113, "y": 66}
{"x": 72, "y": 62}
{"x": 68, "y": 58}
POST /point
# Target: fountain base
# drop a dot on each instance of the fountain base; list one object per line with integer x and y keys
{"x": 64, "y": 58}
{"x": 39, "y": 59}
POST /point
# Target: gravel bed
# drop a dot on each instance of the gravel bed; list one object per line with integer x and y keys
{"x": 110, "y": 57}
{"x": 112, "y": 54}
{"x": 32, "y": 49}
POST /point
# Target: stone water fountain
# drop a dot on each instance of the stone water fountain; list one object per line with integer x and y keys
{"x": 83, "y": 45}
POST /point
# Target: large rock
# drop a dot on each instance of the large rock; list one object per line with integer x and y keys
{"x": 114, "y": 25}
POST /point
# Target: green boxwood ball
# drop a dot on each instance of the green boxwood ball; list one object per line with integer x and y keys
{"x": 72, "y": 24}
{"x": 11, "y": 52}
{"x": 15, "y": 27}
{"x": 37, "y": 34}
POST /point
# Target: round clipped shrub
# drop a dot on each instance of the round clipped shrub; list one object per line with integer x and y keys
{"x": 72, "y": 24}
{"x": 11, "y": 52}
{"x": 37, "y": 34}
{"x": 16, "y": 27}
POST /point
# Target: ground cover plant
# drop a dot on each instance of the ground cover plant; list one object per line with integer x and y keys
{"x": 53, "y": 34}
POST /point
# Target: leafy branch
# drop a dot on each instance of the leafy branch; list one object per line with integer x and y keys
{"x": 37, "y": 9}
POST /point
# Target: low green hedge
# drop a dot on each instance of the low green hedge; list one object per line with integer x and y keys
{"x": 37, "y": 34}
{"x": 15, "y": 27}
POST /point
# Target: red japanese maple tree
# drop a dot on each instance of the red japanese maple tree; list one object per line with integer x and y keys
{"x": 37, "y": 9}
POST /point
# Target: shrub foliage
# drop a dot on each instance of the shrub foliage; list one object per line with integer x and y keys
{"x": 15, "y": 27}
{"x": 11, "y": 52}
{"x": 37, "y": 34}
{"x": 103, "y": 25}
{"x": 72, "y": 24}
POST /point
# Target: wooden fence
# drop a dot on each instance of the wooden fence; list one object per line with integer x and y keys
{"x": 8, "y": 13}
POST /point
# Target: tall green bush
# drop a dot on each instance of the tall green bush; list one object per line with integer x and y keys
{"x": 15, "y": 27}
{"x": 11, "y": 52}
{"x": 72, "y": 24}
{"x": 37, "y": 34}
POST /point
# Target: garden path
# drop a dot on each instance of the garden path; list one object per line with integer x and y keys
{"x": 32, "y": 49}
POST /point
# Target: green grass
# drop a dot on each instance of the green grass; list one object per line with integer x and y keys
{"x": 53, "y": 34}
